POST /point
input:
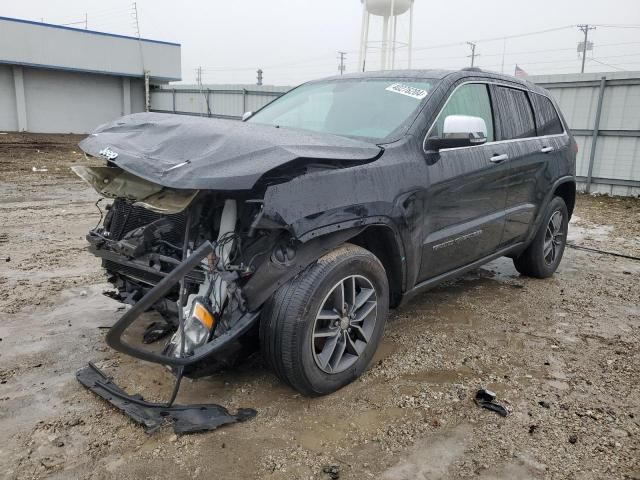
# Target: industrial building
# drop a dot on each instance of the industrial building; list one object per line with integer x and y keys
{"x": 56, "y": 79}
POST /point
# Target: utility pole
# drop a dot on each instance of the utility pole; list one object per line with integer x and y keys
{"x": 473, "y": 53}
{"x": 259, "y": 72}
{"x": 585, "y": 29}
{"x": 341, "y": 67}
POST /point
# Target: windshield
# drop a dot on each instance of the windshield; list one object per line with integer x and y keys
{"x": 371, "y": 108}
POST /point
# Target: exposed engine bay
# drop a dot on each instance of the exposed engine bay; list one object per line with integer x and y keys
{"x": 139, "y": 247}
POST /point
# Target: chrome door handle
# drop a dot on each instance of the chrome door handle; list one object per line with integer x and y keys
{"x": 546, "y": 149}
{"x": 499, "y": 158}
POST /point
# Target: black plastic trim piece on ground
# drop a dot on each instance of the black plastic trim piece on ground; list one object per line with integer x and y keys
{"x": 185, "y": 418}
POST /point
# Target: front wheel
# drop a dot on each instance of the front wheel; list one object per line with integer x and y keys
{"x": 542, "y": 257}
{"x": 320, "y": 330}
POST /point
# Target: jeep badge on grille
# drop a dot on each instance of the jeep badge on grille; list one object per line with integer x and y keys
{"x": 108, "y": 153}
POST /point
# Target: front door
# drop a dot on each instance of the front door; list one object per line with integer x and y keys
{"x": 464, "y": 211}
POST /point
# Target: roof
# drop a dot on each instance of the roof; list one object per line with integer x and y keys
{"x": 437, "y": 74}
{"x": 42, "y": 45}
{"x": 93, "y": 32}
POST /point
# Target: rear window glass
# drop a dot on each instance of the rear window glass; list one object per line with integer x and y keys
{"x": 547, "y": 119}
{"x": 516, "y": 116}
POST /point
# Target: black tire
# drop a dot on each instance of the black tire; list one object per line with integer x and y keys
{"x": 534, "y": 261}
{"x": 288, "y": 320}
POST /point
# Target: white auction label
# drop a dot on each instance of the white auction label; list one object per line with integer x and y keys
{"x": 412, "y": 92}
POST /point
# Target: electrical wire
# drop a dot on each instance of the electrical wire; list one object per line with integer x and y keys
{"x": 604, "y": 252}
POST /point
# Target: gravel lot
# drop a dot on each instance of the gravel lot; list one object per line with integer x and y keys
{"x": 561, "y": 354}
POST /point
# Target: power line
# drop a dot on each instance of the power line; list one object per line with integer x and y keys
{"x": 617, "y": 26}
{"x": 607, "y": 64}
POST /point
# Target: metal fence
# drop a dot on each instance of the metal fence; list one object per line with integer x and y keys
{"x": 602, "y": 109}
{"x": 217, "y": 101}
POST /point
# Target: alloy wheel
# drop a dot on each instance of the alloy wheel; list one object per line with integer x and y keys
{"x": 344, "y": 324}
{"x": 553, "y": 238}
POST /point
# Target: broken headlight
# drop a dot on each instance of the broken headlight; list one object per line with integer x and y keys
{"x": 198, "y": 326}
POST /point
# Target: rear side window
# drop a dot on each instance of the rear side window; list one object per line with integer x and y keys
{"x": 547, "y": 119}
{"x": 471, "y": 99}
{"x": 514, "y": 110}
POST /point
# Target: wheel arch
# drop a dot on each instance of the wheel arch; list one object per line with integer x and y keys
{"x": 567, "y": 191}
{"x": 376, "y": 235}
{"x": 382, "y": 241}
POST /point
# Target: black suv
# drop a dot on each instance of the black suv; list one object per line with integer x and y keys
{"x": 296, "y": 230}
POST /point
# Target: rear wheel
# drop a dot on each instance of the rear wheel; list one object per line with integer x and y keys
{"x": 320, "y": 330}
{"x": 542, "y": 257}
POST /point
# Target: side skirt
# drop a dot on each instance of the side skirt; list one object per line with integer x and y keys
{"x": 432, "y": 282}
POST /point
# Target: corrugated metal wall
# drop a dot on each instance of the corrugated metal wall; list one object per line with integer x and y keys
{"x": 220, "y": 101}
{"x": 614, "y": 168}
{"x": 615, "y": 163}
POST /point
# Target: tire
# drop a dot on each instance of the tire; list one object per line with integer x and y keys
{"x": 295, "y": 338}
{"x": 537, "y": 261}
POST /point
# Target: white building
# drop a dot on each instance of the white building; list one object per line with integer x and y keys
{"x": 58, "y": 79}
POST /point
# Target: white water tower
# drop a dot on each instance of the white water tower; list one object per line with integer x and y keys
{"x": 389, "y": 10}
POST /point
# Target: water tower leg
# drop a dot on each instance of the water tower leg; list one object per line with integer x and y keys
{"x": 364, "y": 37}
{"x": 393, "y": 45}
{"x": 410, "y": 45}
{"x": 385, "y": 43}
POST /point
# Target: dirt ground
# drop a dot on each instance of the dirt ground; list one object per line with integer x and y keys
{"x": 562, "y": 355}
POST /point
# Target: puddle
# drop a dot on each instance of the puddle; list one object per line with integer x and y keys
{"x": 385, "y": 350}
{"x": 580, "y": 230}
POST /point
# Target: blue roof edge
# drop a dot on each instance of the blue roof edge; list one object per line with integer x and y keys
{"x": 82, "y": 30}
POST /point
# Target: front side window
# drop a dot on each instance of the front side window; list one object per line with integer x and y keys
{"x": 370, "y": 108}
{"x": 471, "y": 99}
{"x": 547, "y": 119}
{"x": 516, "y": 116}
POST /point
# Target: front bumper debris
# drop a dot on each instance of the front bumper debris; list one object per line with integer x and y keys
{"x": 185, "y": 418}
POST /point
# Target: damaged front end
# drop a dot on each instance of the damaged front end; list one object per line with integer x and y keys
{"x": 183, "y": 254}
{"x": 177, "y": 253}
{"x": 188, "y": 239}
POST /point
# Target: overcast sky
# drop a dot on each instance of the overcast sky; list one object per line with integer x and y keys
{"x": 296, "y": 40}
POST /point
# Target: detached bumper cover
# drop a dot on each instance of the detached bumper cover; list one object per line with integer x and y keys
{"x": 185, "y": 418}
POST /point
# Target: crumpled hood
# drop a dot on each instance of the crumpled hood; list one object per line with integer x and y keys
{"x": 212, "y": 154}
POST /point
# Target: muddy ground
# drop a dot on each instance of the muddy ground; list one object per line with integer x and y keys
{"x": 562, "y": 355}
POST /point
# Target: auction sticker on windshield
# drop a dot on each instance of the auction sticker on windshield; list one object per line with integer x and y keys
{"x": 407, "y": 90}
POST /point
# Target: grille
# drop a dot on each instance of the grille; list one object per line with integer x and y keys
{"x": 127, "y": 217}
{"x": 132, "y": 272}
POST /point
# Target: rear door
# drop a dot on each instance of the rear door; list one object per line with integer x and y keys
{"x": 464, "y": 216}
{"x": 529, "y": 128}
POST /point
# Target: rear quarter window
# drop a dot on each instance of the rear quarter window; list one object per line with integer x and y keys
{"x": 547, "y": 119}
{"x": 515, "y": 113}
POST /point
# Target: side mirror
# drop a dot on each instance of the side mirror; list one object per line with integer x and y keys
{"x": 459, "y": 131}
{"x": 246, "y": 115}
